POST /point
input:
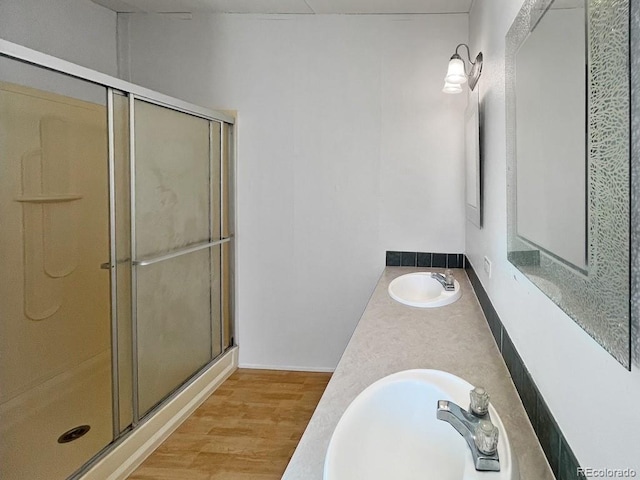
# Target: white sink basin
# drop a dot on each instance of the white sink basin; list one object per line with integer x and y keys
{"x": 420, "y": 290}
{"x": 390, "y": 431}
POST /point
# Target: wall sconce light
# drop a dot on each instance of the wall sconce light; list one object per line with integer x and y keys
{"x": 457, "y": 73}
{"x": 452, "y": 88}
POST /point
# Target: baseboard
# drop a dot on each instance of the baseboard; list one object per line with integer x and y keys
{"x": 131, "y": 451}
{"x": 286, "y": 367}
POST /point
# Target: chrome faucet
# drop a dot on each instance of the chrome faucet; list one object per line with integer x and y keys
{"x": 447, "y": 281}
{"x": 476, "y": 428}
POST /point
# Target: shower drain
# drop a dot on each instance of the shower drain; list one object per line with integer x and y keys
{"x": 73, "y": 434}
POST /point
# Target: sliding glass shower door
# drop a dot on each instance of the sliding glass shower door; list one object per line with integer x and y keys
{"x": 55, "y": 328}
{"x": 177, "y": 225}
{"x": 116, "y": 253}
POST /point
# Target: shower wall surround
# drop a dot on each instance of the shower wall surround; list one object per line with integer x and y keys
{"x": 55, "y": 335}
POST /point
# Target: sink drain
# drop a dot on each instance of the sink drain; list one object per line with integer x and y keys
{"x": 73, "y": 434}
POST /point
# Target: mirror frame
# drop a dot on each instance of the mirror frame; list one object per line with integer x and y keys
{"x": 597, "y": 299}
{"x": 635, "y": 183}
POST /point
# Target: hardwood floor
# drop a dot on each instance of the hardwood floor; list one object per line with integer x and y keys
{"x": 248, "y": 429}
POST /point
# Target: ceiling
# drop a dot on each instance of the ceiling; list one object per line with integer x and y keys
{"x": 290, "y": 6}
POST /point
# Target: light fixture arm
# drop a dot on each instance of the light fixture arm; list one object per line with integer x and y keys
{"x": 468, "y": 54}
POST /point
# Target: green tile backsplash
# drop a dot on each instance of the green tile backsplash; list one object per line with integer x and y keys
{"x": 561, "y": 458}
{"x": 424, "y": 259}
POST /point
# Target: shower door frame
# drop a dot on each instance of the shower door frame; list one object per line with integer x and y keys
{"x": 39, "y": 59}
{"x": 134, "y": 92}
{"x": 141, "y": 262}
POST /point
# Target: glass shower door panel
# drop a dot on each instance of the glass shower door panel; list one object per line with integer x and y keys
{"x": 216, "y": 322}
{"x": 173, "y": 196}
{"x": 227, "y": 260}
{"x": 172, "y": 185}
{"x": 227, "y": 176}
{"x": 55, "y": 350}
{"x": 227, "y": 296}
{"x": 174, "y": 332}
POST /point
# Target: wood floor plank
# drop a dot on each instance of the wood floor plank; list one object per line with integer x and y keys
{"x": 248, "y": 429}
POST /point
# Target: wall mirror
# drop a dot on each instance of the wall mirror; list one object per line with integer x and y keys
{"x": 568, "y": 104}
{"x": 473, "y": 170}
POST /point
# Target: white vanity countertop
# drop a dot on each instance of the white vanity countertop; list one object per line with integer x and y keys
{"x": 391, "y": 337}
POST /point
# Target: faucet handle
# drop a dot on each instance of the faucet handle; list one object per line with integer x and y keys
{"x": 448, "y": 276}
{"x": 479, "y": 401}
{"x": 486, "y": 437}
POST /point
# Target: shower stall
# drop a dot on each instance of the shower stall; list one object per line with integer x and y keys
{"x": 116, "y": 246}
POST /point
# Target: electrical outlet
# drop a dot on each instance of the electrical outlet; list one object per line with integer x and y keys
{"x": 487, "y": 267}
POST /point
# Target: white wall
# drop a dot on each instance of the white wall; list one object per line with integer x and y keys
{"x": 346, "y": 148}
{"x": 593, "y": 398}
{"x": 75, "y": 30}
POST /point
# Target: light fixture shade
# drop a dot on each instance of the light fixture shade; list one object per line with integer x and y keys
{"x": 452, "y": 88}
{"x": 455, "y": 72}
